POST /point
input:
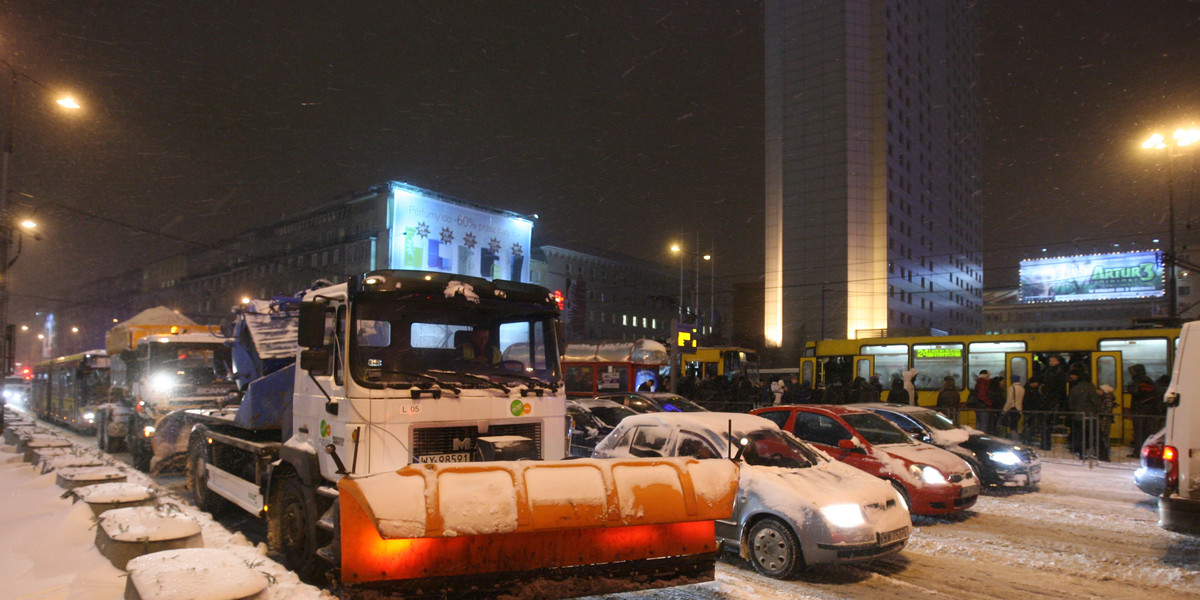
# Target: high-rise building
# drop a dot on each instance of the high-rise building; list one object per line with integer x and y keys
{"x": 873, "y": 192}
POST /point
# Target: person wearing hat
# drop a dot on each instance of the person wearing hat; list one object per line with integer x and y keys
{"x": 1014, "y": 405}
{"x": 980, "y": 400}
{"x": 1084, "y": 401}
{"x": 948, "y": 398}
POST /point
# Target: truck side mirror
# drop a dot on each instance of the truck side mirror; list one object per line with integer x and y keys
{"x": 311, "y": 325}
{"x": 315, "y": 361}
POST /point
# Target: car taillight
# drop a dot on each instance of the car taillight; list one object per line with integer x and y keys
{"x": 1152, "y": 451}
{"x": 1170, "y": 467}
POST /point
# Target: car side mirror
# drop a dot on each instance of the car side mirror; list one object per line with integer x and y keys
{"x": 846, "y": 444}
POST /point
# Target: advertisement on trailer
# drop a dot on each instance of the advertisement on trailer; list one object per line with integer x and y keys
{"x": 1093, "y": 277}
{"x": 433, "y": 234}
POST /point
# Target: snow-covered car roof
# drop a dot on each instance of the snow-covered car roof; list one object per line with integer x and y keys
{"x": 717, "y": 422}
{"x": 592, "y": 402}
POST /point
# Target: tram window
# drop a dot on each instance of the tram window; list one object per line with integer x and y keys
{"x": 935, "y": 361}
{"x": 806, "y": 372}
{"x": 1106, "y": 371}
{"x": 1150, "y": 353}
{"x": 890, "y": 360}
{"x": 989, "y": 356}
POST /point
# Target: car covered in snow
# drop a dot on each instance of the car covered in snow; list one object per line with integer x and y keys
{"x": 796, "y": 507}
{"x": 645, "y": 402}
{"x": 591, "y": 420}
{"x": 997, "y": 461}
{"x": 932, "y": 480}
{"x": 1150, "y": 476}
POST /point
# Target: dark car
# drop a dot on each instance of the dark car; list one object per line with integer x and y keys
{"x": 1151, "y": 477}
{"x": 1000, "y": 462}
{"x": 591, "y": 420}
{"x": 646, "y": 402}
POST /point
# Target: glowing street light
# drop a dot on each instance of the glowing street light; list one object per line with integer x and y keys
{"x": 1182, "y": 137}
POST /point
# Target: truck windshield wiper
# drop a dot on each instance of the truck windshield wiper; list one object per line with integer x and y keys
{"x": 481, "y": 378}
{"x": 424, "y": 377}
{"x": 532, "y": 381}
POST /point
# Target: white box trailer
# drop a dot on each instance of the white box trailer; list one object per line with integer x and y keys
{"x": 1179, "y": 506}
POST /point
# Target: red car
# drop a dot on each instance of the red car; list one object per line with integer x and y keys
{"x": 932, "y": 480}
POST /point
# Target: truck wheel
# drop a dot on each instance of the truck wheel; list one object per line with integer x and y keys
{"x": 293, "y": 527}
{"x": 774, "y": 549}
{"x": 197, "y": 477}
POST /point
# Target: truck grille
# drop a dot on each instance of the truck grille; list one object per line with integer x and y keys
{"x": 447, "y": 440}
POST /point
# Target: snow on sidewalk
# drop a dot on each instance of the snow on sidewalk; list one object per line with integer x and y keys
{"x": 48, "y": 542}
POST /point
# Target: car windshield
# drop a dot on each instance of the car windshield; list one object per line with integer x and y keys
{"x": 877, "y": 430}
{"x": 774, "y": 448}
{"x": 677, "y": 403}
{"x": 609, "y": 415}
{"x": 933, "y": 420}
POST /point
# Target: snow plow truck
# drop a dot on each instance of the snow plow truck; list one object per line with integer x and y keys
{"x": 1179, "y": 504}
{"x": 406, "y": 432}
{"x": 160, "y": 362}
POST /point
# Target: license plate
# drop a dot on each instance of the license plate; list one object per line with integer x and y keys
{"x": 968, "y": 490}
{"x": 445, "y": 458}
{"x": 895, "y": 535}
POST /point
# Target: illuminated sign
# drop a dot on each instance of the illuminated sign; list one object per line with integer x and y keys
{"x": 1094, "y": 277}
{"x": 939, "y": 352}
{"x": 432, "y": 234}
{"x": 685, "y": 337}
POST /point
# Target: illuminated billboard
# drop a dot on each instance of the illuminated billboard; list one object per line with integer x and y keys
{"x": 1093, "y": 277}
{"x": 433, "y": 234}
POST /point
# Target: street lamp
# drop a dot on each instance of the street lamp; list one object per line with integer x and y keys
{"x": 6, "y": 356}
{"x": 1182, "y": 137}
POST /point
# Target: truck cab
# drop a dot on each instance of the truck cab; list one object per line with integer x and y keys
{"x": 1179, "y": 505}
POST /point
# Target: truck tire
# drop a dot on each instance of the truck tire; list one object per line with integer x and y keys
{"x": 292, "y": 528}
{"x": 199, "y": 455}
{"x": 774, "y": 549}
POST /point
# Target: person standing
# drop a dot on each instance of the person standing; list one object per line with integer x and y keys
{"x": 777, "y": 389}
{"x": 948, "y": 399}
{"x": 1054, "y": 384}
{"x": 909, "y": 375}
{"x": 897, "y": 395}
{"x": 1037, "y": 428}
{"x": 1084, "y": 402}
{"x": 1014, "y": 406}
{"x": 980, "y": 401}
{"x": 1108, "y": 400}
{"x": 1143, "y": 395}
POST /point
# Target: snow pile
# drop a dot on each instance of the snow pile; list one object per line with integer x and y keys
{"x": 102, "y": 493}
{"x": 190, "y": 573}
{"x": 148, "y": 523}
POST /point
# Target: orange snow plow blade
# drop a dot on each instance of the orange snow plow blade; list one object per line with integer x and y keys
{"x": 432, "y": 521}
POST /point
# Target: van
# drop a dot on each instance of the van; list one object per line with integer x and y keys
{"x": 1179, "y": 505}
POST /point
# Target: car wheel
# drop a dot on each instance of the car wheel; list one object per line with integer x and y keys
{"x": 774, "y": 549}
{"x": 903, "y": 493}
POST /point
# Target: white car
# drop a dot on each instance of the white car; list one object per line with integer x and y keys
{"x": 796, "y": 507}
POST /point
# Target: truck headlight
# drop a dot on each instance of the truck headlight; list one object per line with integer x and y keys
{"x": 1005, "y": 457}
{"x": 927, "y": 474}
{"x": 148, "y": 431}
{"x": 162, "y": 383}
{"x": 843, "y": 516}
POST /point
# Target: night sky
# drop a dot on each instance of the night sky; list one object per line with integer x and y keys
{"x": 619, "y": 123}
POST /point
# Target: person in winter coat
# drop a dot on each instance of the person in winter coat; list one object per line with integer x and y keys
{"x": 897, "y": 395}
{"x": 835, "y": 393}
{"x": 1037, "y": 419}
{"x": 1084, "y": 403}
{"x": 1143, "y": 401}
{"x": 858, "y": 389}
{"x": 980, "y": 401}
{"x": 1014, "y": 406}
{"x": 1054, "y": 384}
{"x": 777, "y": 389}
{"x": 910, "y": 375}
{"x": 948, "y": 399}
{"x": 1108, "y": 400}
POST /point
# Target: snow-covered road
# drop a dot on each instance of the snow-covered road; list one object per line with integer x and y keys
{"x": 1086, "y": 533}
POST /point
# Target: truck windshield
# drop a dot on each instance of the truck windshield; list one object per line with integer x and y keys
{"x": 479, "y": 345}
{"x": 191, "y": 363}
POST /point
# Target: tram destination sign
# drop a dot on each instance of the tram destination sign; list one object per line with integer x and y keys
{"x": 1112, "y": 276}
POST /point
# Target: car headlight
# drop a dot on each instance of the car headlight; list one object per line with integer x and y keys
{"x": 927, "y": 474}
{"x": 162, "y": 383}
{"x": 1005, "y": 457}
{"x": 843, "y": 515}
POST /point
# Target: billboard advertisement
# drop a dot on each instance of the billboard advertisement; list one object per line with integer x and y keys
{"x": 432, "y": 234}
{"x": 1093, "y": 277}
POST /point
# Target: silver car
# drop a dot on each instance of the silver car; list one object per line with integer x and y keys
{"x": 796, "y": 507}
